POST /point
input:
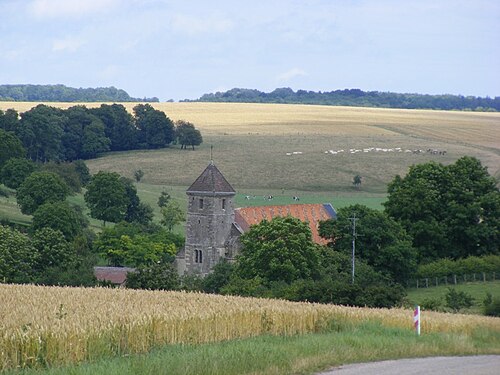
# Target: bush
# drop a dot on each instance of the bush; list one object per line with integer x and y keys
{"x": 434, "y": 304}
{"x": 456, "y": 300}
{"x": 491, "y": 306}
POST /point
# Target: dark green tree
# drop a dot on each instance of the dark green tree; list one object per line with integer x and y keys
{"x": 356, "y": 181}
{"x": 381, "y": 241}
{"x": 10, "y": 147}
{"x": 154, "y": 276}
{"x": 457, "y": 300}
{"x": 138, "y": 175}
{"x": 15, "y": 171}
{"x": 39, "y": 188}
{"x": 221, "y": 275}
{"x": 450, "y": 211}
{"x": 106, "y": 197}
{"x": 156, "y": 130}
{"x": 9, "y": 120}
{"x": 84, "y": 134}
{"x": 163, "y": 199}
{"x": 59, "y": 216}
{"x": 18, "y": 257}
{"x": 41, "y": 130}
{"x": 94, "y": 140}
{"x": 83, "y": 171}
{"x": 278, "y": 250}
{"x": 187, "y": 135}
{"x": 53, "y": 249}
{"x": 137, "y": 211}
{"x": 118, "y": 126}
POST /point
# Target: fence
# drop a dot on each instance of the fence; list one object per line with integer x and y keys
{"x": 428, "y": 282}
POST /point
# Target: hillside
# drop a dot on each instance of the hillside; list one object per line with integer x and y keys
{"x": 251, "y": 143}
{"x": 61, "y": 93}
{"x": 355, "y": 98}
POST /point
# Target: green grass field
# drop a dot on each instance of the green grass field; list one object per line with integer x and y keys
{"x": 477, "y": 290}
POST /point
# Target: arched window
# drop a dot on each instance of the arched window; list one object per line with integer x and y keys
{"x": 201, "y": 203}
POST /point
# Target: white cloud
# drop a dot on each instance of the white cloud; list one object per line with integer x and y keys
{"x": 290, "y": 74}
{"x": 69, "y": 43}
{"x": 192, "y": 25}
{"x": 69, "y": 8}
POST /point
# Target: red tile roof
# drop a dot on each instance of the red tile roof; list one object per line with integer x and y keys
{"x": 311, "y": 213}
{"x": 116, "y": 275}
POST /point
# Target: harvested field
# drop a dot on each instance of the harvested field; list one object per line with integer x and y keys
{"x": 251, "y": 143}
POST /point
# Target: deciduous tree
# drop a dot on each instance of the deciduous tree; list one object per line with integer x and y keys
{"x": 10, "y": 147}
{"x": 187, "y": 134}
{"x": 380, "y": 241}
{"x": 450, "y": 211}
{"x": 39, "y": 188}
{"x": 59, "y": 216}
{"x": 15, "y": 171}
{"x": 106, "y": 197}
{"x": 279, "y": 250}
{"x": 17, "y": 256}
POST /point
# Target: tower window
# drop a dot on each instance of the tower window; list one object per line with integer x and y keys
{"x": 201, "y": 203}
{"x": 223, "y": 204}
{"x": 198, "y": 256}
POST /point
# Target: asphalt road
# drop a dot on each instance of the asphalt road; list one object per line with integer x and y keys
{"x": 476, "y": 365}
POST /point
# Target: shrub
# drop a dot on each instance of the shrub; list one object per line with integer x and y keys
{"x": 491, "y": 306}
{"x": 457, "y": 300}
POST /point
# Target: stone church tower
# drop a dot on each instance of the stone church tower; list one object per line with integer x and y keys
{"x": 210, "y": 216}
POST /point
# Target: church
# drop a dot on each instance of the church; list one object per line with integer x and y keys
{"x": 214, "y": 226}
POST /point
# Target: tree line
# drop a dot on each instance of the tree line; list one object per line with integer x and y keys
{"x": 62, "y": 93}
{"x": 356, "y": 98}
{"x": 46, "y": 133}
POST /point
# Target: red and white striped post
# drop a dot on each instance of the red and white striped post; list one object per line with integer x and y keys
{"x": 416, "y": 319}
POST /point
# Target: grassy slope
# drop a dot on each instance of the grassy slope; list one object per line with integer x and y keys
{"x": 303, "y": 354}
{"x": 477, "y": 290}
{"x": 251, "y": 141}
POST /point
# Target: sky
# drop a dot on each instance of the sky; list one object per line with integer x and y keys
{"x": 175, "y": 49}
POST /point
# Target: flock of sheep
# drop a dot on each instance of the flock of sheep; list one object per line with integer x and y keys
{"x": 376, "y": 149}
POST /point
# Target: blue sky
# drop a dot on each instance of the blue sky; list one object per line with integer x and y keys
{"x": 183, "y": 49}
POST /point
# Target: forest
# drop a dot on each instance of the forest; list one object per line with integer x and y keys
{"x": 62, "y": 93}
{"x": 356, "y": 98}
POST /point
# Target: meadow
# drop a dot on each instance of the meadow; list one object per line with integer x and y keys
{"x": 54, "y": 326}
{"x": 476, "y": 290}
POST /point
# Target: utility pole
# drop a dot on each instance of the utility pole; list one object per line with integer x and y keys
{"x": 354, "y": 235}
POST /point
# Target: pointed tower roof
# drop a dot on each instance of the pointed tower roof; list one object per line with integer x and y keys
{"x": 211, "y": 180}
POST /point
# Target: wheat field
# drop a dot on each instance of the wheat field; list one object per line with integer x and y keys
{"x": 251, "y": 142}
{"x": 49, "y": 326}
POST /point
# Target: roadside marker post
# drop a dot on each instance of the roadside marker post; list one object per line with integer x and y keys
{"x": 416, "y": 319}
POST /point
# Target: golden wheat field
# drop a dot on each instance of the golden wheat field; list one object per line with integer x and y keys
{"x": 47, "y": 326}
{"x": 307, "y": 147}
